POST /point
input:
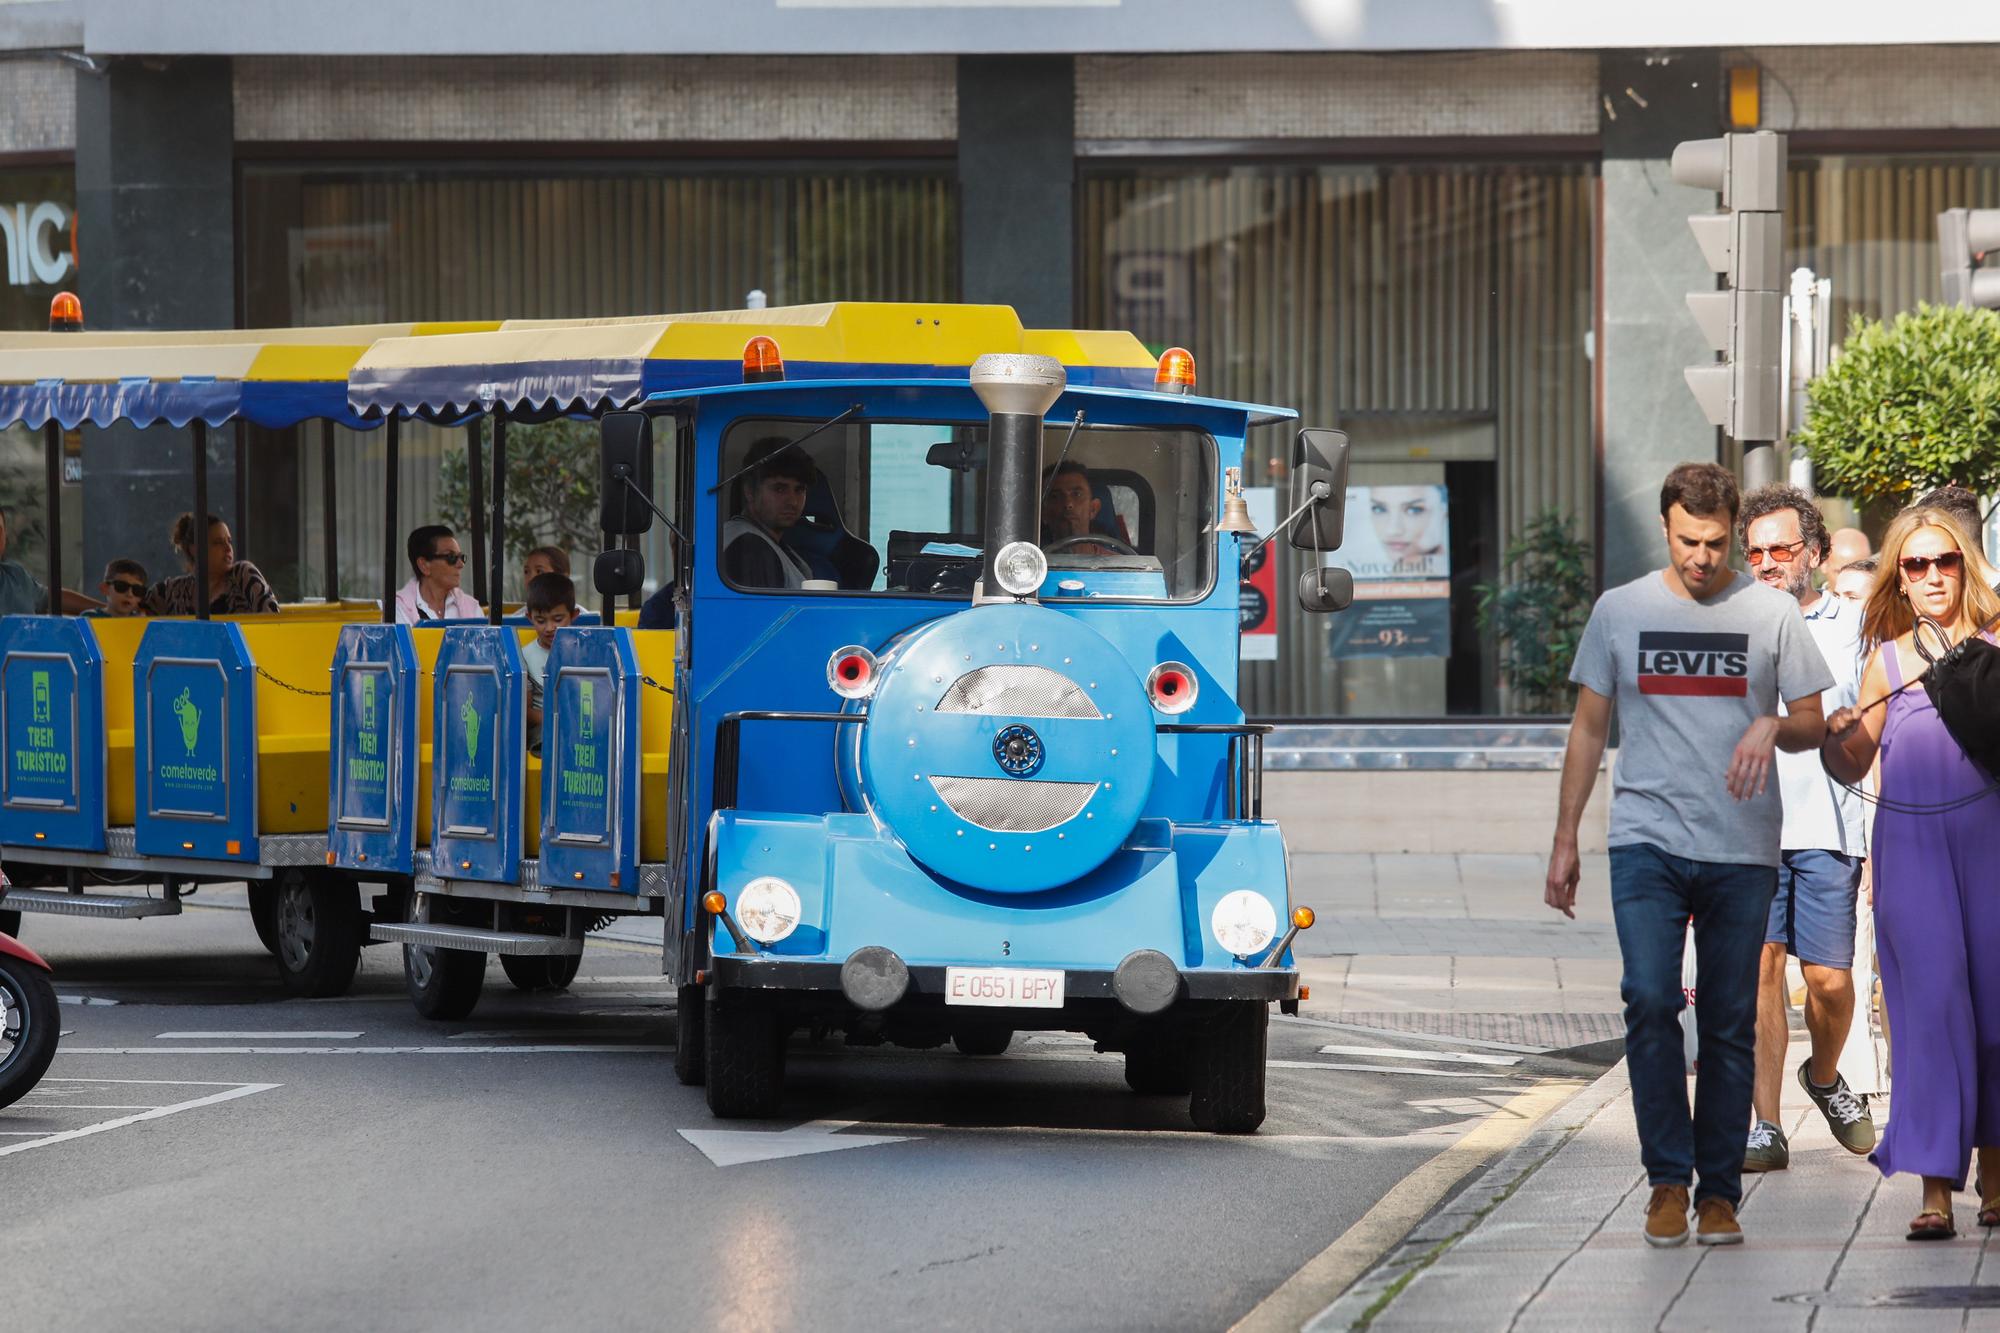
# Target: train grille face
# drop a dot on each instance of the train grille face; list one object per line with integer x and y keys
{"x": 1019, "y": 691}
{"x": 1008, "y": 805}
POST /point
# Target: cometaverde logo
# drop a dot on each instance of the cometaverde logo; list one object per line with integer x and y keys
{"x": 190, "y": 718}
{"x": 469, "y": 716}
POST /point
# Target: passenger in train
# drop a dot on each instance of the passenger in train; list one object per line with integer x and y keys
{"x": 434, "y": 593}
{"x": 124, "y": 589}
{"x": 544, "y": 560}
{"x": 235, "y": 587}
{"x": 22, "y": 594}
{"x": 551, "y": 605}
{"x": 770, "y": 498}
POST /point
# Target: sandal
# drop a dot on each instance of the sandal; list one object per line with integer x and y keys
{"x": 1931, "y": 1224}
{"x": 1989, "y": 1213}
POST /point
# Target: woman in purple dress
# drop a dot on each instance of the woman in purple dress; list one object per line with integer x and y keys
{"x": 1936, "y": 905}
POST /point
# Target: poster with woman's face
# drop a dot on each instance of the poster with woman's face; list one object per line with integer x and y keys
{"x": 1397, "y": 532}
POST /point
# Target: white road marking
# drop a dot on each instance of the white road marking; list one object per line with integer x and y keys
{"x": 166, "y": 1082}
{"x": 566, "y": 1034}
{"x": 1378, "y": 1069}
{"x": 1401, "y": 1035}
{"x": 156, "y": 1113}
{"x": 736, "y": 1147}
{"x": 256, "y": 1036}
{"x": 1449, "y": 1057}
{"x": 83, "y": 999}
{"x": 357, "y": 1050}
{"x": 91, "y": 1106}
{"x": 640, "y": 980}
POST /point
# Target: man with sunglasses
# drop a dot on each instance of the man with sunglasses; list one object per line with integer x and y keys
{"x": 1784, "y": 540}
{"x": 434, "y": 593}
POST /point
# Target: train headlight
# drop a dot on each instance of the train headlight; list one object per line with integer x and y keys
{"x": 1020, "y": 568}
{"x": 1244, "y": 922}
{"x": 768, "y": 908}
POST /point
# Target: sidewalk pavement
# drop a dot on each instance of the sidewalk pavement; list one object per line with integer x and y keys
{"x": 1548, "y": 1235}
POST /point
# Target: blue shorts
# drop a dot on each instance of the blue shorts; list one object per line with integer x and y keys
{"x": 1813, "y": 914}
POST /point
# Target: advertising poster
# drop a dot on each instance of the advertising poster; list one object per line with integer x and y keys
{"x": 1398, "y": 545}
{"x": 1259, "y": 605}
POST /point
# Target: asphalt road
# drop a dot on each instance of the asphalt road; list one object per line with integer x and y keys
{"x": 207, "y": 1154}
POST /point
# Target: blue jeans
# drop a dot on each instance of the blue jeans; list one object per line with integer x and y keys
{"x": 1653, "y": 893}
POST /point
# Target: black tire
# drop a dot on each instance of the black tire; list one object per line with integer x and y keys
{"x": 264, "y": 915}
{"x": 444, "y": 984}
{"x": 690, "y": 1040}
{"x": 544, "y": 971}
{"x": 319, "y": 933}
{"x": 1156, "y": 1063}
{"x": 32, "y": 1025}
{"x": 745, "y": 1057}
{"x": 983, "y": 1041}
{"x": 10, "y": 924}
{"x": 1226, "y": 1068}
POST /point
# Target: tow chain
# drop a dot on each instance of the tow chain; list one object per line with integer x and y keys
{"x": 295, "y": 689}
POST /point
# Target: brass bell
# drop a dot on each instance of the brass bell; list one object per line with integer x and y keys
{"x": 1235, "y": 510}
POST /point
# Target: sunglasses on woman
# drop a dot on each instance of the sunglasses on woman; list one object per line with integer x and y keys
{"x": 1916, "y": 567}
{"x": 449, "y": 557}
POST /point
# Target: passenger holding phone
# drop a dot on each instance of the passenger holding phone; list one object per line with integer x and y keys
{"x": 434, "y": 593}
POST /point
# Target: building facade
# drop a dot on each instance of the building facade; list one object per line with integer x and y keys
{"x": 1458, "y": 243}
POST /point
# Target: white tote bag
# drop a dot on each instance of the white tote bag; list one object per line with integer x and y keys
{"x": 1689, "y": 1039}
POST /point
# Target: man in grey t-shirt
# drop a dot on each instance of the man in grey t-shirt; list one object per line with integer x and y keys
{"x": 1696, "y": 659}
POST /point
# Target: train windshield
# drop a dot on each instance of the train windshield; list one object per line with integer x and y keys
{"x": 895, "y": 507}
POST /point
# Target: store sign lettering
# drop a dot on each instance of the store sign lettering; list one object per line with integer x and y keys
{"x": 31, "y": 234}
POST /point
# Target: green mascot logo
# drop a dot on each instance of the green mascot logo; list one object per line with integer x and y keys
{"x": 190, "y": 718}
{"x": 469, "y": 716}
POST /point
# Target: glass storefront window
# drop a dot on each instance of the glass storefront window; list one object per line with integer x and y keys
{"x": 363, "y": 245}
{"x": 1440, "y": 315}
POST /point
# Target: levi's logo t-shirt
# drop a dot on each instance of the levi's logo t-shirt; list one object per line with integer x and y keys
{"x": 1687, "y": 678}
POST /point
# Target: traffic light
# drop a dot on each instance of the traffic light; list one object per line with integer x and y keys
{"x": 1966, "y": 236}
{"x": 1743, "y": 241}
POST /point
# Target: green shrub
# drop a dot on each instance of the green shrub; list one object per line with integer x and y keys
{"x": 1537, "y": 612}
{"x": 551, "y": 486}
{"x": 1909, "y": 405}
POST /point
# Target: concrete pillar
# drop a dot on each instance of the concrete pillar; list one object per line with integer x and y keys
{"x": 155, "y": 187}
{"x": 1017, "y": 179}
{"x": 1650, "y": 263}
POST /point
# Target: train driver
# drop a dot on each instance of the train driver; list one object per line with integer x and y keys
{"x": 770, "y": 498}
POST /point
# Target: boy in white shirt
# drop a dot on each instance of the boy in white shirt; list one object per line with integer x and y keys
{"x": 551, "y": 605}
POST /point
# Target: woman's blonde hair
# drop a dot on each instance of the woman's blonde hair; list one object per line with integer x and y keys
{"x": 1888, "y": 614}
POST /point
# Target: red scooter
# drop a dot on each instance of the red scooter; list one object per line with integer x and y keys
{"x": 29, "y": 1023}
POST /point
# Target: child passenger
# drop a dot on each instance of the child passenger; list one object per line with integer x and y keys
{"x": 551, "y": 605}
{"x": 124, "y": 589}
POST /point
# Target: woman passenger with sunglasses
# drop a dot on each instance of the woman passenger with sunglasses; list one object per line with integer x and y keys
{"x": 1935, "y": 906}
{"x": 434, "y": 593}
{"x": 235, "y": 587}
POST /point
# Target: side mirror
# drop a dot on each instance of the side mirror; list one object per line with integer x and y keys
{"x": 625, "y": 460}
{"x": 1319, "y": 459}
{"x": 618, "y": 573}
{"x": 1326, "y": 588}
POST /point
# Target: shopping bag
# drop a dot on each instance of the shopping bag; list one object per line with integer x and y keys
{"x": 1864, "y": 1059}
{"x": 1690, "y": 1040}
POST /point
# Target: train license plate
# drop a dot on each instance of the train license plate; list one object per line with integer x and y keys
{"x": 1004, "y": 987}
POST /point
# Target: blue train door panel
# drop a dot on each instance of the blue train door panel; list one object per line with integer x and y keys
{"x": 372, "y": 789}
{"x": 195, "y": 742}
{"x": 590, "y": 762}
{"x": 478, "y": 754}
{"x": 52, "y": 718}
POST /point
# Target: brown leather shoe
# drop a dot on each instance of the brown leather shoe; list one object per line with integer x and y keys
{"x": 1667, "y": 1216}
{"x": 1716, "y": 1223}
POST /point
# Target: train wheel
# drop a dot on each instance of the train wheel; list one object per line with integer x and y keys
{"x": 1157, "y": 1062}
{"x": 545, "y": 971}
{"x": 983, "y": 1041}
{"x": 690, "y": 1044}
{"x": 444, "y": 983}
{"x": 745, "y": 1057}
{"x": 319, "y": 933}
{"x": 29, "y": 1026}
{"x": 1226, "y": 1068}
{"x": 264, "y": 915}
